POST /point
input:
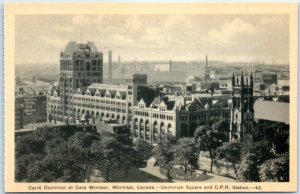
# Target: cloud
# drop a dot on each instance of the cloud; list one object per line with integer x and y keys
{"x": 152, "y": 37}
{"x": 176, "y": 20}
{"x": 272, "y": 20}
{"x": 133, "y": 23}
{"x": 67, "y": 28}
{"x": 87, "y": 20}
{"x": 230, "y": 32}
{"x": 120, "y": 39}
{"x": 58, "y": 43}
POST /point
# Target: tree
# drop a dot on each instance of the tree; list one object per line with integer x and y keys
{"x": 22, "y": 165}
{"x": 186, "y": 154}
{"x": 127, "y": 151}
{"x": 248, "y": 168}
{"x": 207, "y": 140}
{"x": 269, "y": 140}
{"x": 230, "y": 153}
{"x": 79, "y": 149}
{"x": 222, "y": 127}
{"x": 274, "y": 135}
{"x": 275, "y": 169}
{"x": 29, "y": 144}
{"x": 143, "y": 149}
{"x": 55, "y": 154}
{"x": 253, "y": 155}
{"x": 108, "y": 154}
{"x": 164, "y": 154}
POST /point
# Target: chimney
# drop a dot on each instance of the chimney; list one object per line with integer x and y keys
{"x": 109, "y": 65}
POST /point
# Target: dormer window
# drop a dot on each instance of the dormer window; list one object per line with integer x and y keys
{"x": 141, "y": 106}
{"x": 162, "y": 108}
{"x": 107, "y": 96}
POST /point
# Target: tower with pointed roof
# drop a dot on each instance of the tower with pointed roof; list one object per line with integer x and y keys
{"x": 242, "y": 111}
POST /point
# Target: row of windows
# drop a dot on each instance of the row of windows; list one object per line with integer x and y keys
{"x": 155, "y": 135}
{"x": 79, "y": 65}
{"x": 203, "y": 116}
{"x": 54, "y": 102}
{"x": 141, "y": 113}
{"x": 82, "y": 74}
{"x": 81, "y": 62}
{"x": 160, "y": 108}
{"x": 66, "y": 74}
{"x": 113, "y": 109}
{"x": 162, "y": 116}
{"x": 100, "y": 101}
{"x": 87, "y": 80}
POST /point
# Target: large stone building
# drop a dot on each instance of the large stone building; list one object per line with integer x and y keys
{"x": 98, "y": 101}
{"x": 82, "y": 97}
{"x": 178, "y": 115}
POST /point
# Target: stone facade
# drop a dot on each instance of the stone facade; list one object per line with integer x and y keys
{"x": 242, "y": 112}
{"x": 81, "y": 97}
{"x": 179, "y": 116}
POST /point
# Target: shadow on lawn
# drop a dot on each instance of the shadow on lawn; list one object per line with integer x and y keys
{"x": 178, "y": 174}
{"x": 135, "y": 175}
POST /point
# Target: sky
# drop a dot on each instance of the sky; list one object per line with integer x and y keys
{"x": 230, "y": 38}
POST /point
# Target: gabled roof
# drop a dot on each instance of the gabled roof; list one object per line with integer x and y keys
{"x": 55, "y": 93}
{"x": 79, "y": 91}
{"x": 112, "y": 93}
{"x": 163, "y": 101}
{"x": 142, "y": 102}
{"x": 207, "y": 106}
{"x": 162, "y": 104}
{"x": 123, "y": 94}
{"x": 87, "y": 92}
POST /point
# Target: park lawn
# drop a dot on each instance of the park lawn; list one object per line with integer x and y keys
{"x": 178, "y": 174}
{"x": 134, "y": 175}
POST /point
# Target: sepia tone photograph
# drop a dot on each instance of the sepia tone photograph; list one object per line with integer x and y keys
{"x": 110, "y": 99}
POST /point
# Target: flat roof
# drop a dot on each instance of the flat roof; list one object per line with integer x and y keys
{"x": 272, "y": 111}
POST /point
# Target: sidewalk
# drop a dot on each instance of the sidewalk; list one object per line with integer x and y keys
{"x": 154, "y": 170}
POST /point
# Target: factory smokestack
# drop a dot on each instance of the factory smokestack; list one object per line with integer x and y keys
{"x": 109, "y": 65}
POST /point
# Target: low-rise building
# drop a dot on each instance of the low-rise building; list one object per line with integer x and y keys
{"x": 177, "y": 115}
{"x": 30, "y": 109}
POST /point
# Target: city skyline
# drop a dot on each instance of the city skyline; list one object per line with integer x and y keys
{"x": 229, "y": 38}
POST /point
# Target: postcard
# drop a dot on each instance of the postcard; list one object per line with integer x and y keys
{"x": 162, "y": 97}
